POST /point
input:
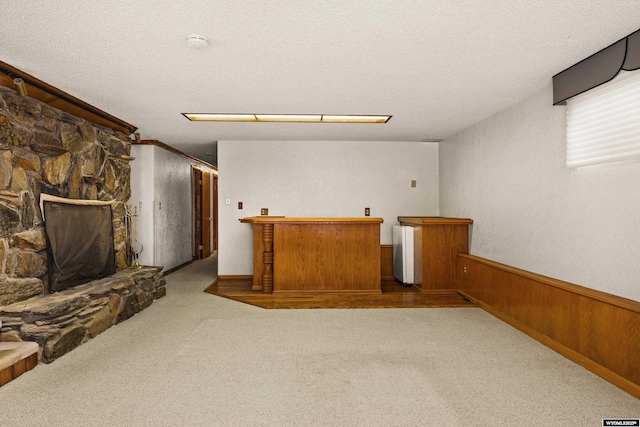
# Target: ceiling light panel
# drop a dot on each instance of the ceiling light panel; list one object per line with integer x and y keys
{"x": 288, "y": 118}
{"x": 354, "y": 119}
{"x": 220, "y": 117}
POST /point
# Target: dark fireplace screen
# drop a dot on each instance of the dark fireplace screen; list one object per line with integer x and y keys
{"x": 80, "y": 243}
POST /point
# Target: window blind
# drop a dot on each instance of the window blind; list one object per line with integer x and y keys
{"x": 603, "y": 124}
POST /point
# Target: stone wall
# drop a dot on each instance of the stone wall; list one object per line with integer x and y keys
{"x": 45, "y": 150}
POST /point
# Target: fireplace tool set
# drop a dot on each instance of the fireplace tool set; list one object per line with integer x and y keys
{"x": 134, "y": 247}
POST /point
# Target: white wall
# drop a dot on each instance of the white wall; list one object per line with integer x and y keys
{"x": 508, "y": 174}
{"x": 319, "y": 179}
{"x": 162, "y": 181}
{"x": 142, "y": 195}
{"x": 173, "y": 208}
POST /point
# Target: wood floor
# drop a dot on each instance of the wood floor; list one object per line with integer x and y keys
{"x": 394, "y": 295}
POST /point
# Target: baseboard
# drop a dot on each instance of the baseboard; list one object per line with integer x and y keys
{"x": 236, "y": 277}
{"x": 437, "y": 291}
{"x": 592, "y": 328}
{"x": 327, "y": 292}
{"x": 174, "y": 269}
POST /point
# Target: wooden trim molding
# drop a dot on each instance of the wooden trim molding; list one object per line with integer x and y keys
{"x": 173, "y": 150}
{"x": 236, "y": 277}
{"x": 594, "y": 329}
{"x": 44, "y": 92}
{"x": 432, "y": 220}
{"x": 174, "y": 269}
{"x": 286, "y": 220}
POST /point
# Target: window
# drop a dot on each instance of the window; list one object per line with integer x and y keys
{"x": 603, "y": 124}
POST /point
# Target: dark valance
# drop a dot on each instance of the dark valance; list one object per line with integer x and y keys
{"x": 597, "y": 69}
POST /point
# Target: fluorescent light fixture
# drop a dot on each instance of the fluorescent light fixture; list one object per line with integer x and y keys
{"x": 223, "y": 117}
{"x": 288, "y": 118}
{"x": 354, "y": 119}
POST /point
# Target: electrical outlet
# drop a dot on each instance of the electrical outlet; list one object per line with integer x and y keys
{"x": 264, "y": 211}
{"x": 464, "y": 269}
{"x": 239, "y": 205}
{"x": 367, "y": 211}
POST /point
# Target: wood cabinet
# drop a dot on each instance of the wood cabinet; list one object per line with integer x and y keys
{"x": 439, "y": 243}
{"x": 297, "y": 255}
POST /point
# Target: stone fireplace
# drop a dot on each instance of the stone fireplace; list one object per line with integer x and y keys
{"x": 47, "y": 151}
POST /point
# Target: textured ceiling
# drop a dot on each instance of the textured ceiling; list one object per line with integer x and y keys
{"x": 437, "y": 66}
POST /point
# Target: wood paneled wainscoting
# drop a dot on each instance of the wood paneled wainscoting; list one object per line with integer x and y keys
{"x": 597, "y": 330}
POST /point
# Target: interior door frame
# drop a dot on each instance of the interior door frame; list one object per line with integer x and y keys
{"x": 196, "y": 211}
{"x": 204, "y": 208}
{"x": 214, "y": 213}
{"x": 206, "y": 216}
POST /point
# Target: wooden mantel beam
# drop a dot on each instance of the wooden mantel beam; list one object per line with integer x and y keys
{"x": 44, "y": 92}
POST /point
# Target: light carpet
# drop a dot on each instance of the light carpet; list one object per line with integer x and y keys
{"x": 194, "y": 359}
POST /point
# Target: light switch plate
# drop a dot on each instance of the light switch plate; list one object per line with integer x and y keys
{"x": 227, "y": 200}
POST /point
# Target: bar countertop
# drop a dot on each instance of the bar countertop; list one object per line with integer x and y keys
{"x": 286, "y": 220}
{"x": 432, "y": 220}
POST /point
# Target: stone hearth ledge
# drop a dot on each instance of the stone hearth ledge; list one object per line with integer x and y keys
{"x": 62, "y": 321}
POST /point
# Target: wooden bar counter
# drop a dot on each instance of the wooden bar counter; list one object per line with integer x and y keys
{"x": 297, "y": 255}
{"x": 440, "y": 241}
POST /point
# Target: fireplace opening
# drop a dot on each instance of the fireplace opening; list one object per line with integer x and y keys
{"x": 79, "y": 241}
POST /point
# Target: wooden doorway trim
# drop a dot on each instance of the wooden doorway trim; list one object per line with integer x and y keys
{"x": 203, "y": 217}
{"x": 206, "y": 214}
{"x": 196, "y": 197}
{"x": 214, "y": 214}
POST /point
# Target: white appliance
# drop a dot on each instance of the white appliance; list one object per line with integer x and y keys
{"x": 403, "y": 254}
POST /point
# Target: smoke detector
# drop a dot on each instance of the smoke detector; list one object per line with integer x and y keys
{"x": 198, "y": 41}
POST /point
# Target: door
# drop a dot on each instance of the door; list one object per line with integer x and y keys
{"x": 206, "y": 214}
{"x": 202, "y": 217}
{"x": 214, "y": 229}
{"x": 196, "y": 196}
